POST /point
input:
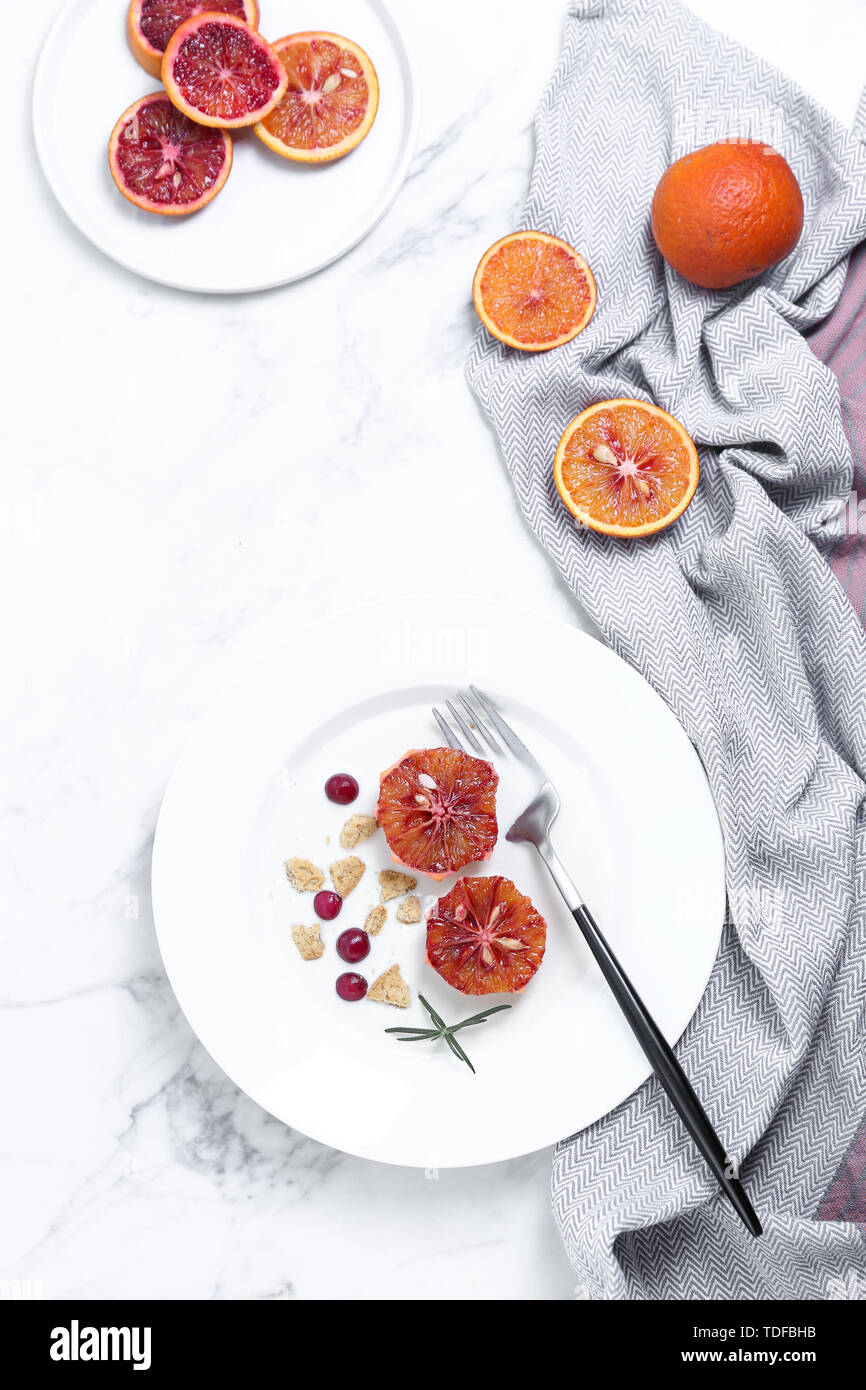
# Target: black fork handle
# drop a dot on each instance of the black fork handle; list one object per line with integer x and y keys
{"x": 661, "y": 1057}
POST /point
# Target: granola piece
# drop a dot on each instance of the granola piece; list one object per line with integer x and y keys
{"x": 376, "y": 919}
{"x": 409, "y": 910}
{"x": 390, "y": 988}
{"x": 304, "y": 876}
{"x": 356, "y": 829}
{"x": 346, "y": 874}
{"x": 308, "y": 942}
{"x": 394, "y": 884}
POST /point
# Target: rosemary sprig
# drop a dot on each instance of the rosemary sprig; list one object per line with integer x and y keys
{"x": 445, "y": 1030}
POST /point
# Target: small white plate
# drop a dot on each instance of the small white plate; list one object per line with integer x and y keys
{"x": 638, "y": 830}
{"x": 274, "y": 221}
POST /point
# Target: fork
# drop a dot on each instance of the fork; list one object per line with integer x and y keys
{"x": 532, "y": 825}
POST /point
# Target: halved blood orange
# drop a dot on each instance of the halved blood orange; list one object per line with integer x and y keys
{"x": 485, "y": 937}
{"x": 437, "y": 807}
{"x": 626, "y": 468}
{"x": 533, "y": 291}
{"x": 219, "y": 71}
{"x": 164, "y": 162}
{"x": 331, "y": 101}
{"x": 151, "y": 23}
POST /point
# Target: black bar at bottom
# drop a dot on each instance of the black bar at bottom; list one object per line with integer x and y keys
{"x": 161, "y": 1338}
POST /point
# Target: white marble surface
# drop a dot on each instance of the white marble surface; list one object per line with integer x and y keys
{"x": 141, "y": 552}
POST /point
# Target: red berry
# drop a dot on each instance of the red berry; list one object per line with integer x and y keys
{"x": 353, "y": 945}
{"x": 351, "y": 986}
{"x": 341, "y": 788}
{"x": 327, "y": 905}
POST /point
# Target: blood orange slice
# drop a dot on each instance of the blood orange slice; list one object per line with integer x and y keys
{"x": 331, "y": 101}
{"x": 437, "y": 807}
{"x": 164, "y": 162}
{"x": 533, "y": 291}
{"x": 221, "y": 72}
{"x": 626, "y": 468}
{"x": 151, "y": 24}
{"x": 485, "y": 937}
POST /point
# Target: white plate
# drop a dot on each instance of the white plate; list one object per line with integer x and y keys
{"x": 274, "y": 221}
{"x": 638, "y": 829}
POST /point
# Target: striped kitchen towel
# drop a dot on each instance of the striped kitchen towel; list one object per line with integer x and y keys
{"x": 840, "y": 341}
{"x": 737, "y": 619}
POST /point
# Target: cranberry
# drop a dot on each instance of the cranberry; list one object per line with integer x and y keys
{"x": 341, "y": 788}
{"x": 353, "y": 945}
{"x": 351, "y": 986}
{"x": 326, "y": 905}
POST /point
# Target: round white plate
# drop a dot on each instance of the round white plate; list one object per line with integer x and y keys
{"x": 274, "y": 221}
{"x": 638, "y": 830}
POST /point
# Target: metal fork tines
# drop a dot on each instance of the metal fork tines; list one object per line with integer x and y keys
{"x": 539, "y": 804}
{"x": 480, "y": 729}
{"x": 483, "y": 714}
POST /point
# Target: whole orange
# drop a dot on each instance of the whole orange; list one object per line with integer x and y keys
{"x": 727, "y": 212}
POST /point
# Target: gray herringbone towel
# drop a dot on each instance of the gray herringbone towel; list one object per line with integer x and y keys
{"x": 736, "y": 619}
